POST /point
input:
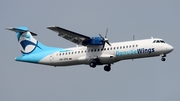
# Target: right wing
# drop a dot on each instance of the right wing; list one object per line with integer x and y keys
{"x": 71, "y": 36}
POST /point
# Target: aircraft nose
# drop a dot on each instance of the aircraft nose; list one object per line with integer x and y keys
{"x": 170, "y": 48}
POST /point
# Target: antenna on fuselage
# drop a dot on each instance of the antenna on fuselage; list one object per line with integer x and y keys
{"x": 133, "y": 37}
{"x": 133, "y": 40}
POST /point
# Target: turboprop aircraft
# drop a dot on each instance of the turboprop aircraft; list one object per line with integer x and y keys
{"x": 93, "y": 50}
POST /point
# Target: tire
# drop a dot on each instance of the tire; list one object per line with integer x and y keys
{"x": 92, "y": 64}
{"x": 107, "y": 68}
{"x": 163, "y": 59}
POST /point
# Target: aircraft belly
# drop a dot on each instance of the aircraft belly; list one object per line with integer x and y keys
{"x": 67, "y": 63}
{"x": 107, "y": 59}
{"x": 83, "y": 60}
{"x": 104, "y": 59}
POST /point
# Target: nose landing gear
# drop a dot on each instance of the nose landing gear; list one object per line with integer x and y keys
{"x": 163, "y": 57}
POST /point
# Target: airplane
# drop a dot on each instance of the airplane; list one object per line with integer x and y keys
{"x": 93, "y": 50}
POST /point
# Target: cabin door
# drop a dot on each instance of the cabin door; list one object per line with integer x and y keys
{"x": 51, "y": 58}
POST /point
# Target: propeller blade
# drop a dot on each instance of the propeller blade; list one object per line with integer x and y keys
{"x": 103, "y": 45}
{"x": 108, "y": 43}
{"x": 101, "y": 36}
{"x": 105, "y": 40}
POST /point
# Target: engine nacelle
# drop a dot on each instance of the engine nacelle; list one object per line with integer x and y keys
{"x": 95, "y": 41}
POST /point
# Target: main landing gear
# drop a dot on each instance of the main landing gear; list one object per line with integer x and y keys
{"x": 107, "y": 68}
{"x": 163, "y": 57}
{"x": 93, "y": 64}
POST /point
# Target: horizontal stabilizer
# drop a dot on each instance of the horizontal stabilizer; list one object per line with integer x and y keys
{"x": 22, "y": 29}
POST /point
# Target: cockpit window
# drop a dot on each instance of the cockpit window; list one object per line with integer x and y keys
{"x": 162, "y": 41}
{"x": 158, "y": 41}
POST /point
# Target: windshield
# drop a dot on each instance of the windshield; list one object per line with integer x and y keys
{"x": 158, "y": 41}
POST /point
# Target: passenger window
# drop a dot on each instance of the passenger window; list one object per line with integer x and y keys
{"x": 98, "y": 49}
{"x": 104, "y": 48}
{"x": 60, "y": 54}
{"x": 123, "y": 46}
{"x": 94, "y": 50}
{"x": 69, "y": 52}
{"x": 78, "y": 51}
{"x": 120, "y": 47}
{"x": 111, "y": 48}
{"x": 101, "y": 49}
{"x": 72, "y": 52}
{"x": 117, "y": 47}
{"x": 81, "y": 51}
{"x": 66, "y": 53}
{"x": 85, "y": 51}
{"x": 126, "y": 46}
{"x": 91, "y": 50}
{"x": 75, "y": 52}
{"x": 130, "y": 46}
{"x": 136, "y": 45}
{"x": 107, "y": 48}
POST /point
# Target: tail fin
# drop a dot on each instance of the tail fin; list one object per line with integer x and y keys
{"x": 28, "y": 44}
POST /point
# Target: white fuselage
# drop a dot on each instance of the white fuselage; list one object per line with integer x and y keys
{"x": 110, "y": 54}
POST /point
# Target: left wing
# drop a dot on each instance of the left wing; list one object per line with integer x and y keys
{"x": 71, "y": 36}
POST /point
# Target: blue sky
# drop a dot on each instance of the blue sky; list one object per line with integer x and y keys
{"x": 147, "y": 79}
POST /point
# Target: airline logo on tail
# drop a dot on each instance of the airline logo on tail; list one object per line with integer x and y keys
{"x": 25, "y": 39}
{"x": 27, "y": 42}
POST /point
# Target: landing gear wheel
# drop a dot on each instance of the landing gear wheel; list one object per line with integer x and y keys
{"x": 92, "y": 64}
{"x": 163, "y": 59}
{"x": 107, "y": 68}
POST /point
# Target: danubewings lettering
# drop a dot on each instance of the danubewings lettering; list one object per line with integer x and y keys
{"x": 119, "y": 53}
{"x": 138, "y": 51}
{"x": 143, "y": 50}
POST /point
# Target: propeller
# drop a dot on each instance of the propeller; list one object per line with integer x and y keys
{"x": 105, "y": 40}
